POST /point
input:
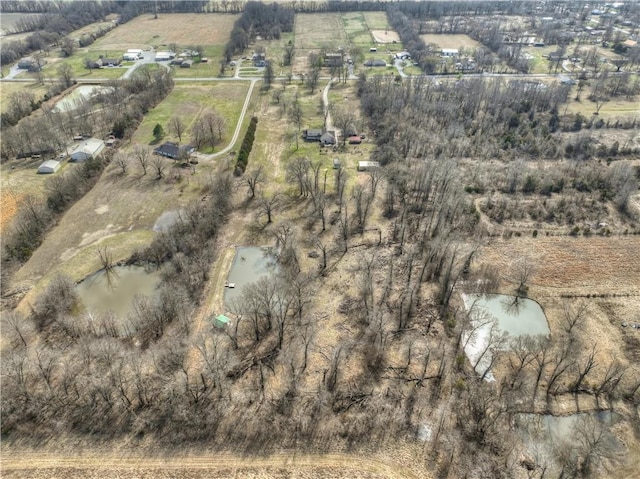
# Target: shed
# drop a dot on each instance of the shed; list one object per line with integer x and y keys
{"x": 221, "y": 321}
{"x": 91, "y": 147}
{"x": 368, "y": 165}
{"x": 48, "y": 167}
{"x": 328, "y": 139}
{"x": 312, "y": 134}
{"x": 355, "y": 140}
{"x": 336, "y": 164}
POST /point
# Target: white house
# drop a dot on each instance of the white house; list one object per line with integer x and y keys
{"x": 403, "y": 56}
{"x": 368, "y": 165}
{"x": 449, "y": 52}
{"x": 48, "y": 167}
{"x": 88, "y": 148}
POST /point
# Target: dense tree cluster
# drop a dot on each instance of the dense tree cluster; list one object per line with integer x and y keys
{"x": 247, "y": 145}
{"x": 265, "y": 20}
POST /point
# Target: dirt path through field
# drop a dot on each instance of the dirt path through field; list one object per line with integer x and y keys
{"x": 334, "y": 465}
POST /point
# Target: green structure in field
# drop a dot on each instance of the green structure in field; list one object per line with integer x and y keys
{"x": 221, "y": 321}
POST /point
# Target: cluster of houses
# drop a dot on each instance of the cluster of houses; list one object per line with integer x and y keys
{"x": 88, "y": 148}
{"x": 329, "y": 137}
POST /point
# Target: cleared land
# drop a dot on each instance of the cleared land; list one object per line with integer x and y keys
{"x": 180, "y": 28}
{"x": 385, "y": 36}
{"x": 376, "y": 20}
{"x": 451, "y": 41}
{"x": 309, "y": 37}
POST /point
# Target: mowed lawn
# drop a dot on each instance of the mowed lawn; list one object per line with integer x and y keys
{"x": 189, "y": 102}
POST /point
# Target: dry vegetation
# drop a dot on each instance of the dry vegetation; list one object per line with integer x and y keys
{"x": 385, "y": 36}
{"x": 309, "y": 37}
{"x": 451, "y": 41}
{"x": 179, "y": 28}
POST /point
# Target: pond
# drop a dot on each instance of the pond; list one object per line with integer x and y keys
{"x": 544, "y": 434}
{"x": 102, "y": 294}
{"x": 84, "y": 92}
{"x": 492, "y": 314}
{"x": 249, "y": 265}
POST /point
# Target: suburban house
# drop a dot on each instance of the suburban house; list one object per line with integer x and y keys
{"x": 327, "y": 139}
{"x": 91, "y": 147}
{"x": 48, "y": 167}
{"x": 368, "y": 165}
{"x": 333, "y": 60}
{"x": 132, "y": 54}
{"x": 174, "y": 151}
{"x": 104, "y": 62}
{"x": 375, "y": 63}
{"x": 449, "y": 52}
{"x": 312, "y": 134}
{"x": 28, "y": 63}
{"x": 259, "y": 59}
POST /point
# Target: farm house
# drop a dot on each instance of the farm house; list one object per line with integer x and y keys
{"x": 49, "y": 167}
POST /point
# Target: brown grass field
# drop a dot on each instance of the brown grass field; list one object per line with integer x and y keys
{"x": 181, "y": 28}
{"x": 450, "y": 41}
{"x": 385, "y": 36}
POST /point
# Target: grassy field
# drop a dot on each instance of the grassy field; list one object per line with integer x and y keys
{"x": 188, "y": 101}
{"x": 180, "y": 28}
{"x": 309, "y": 37}
{"x": 376, "y": 20}
{"x": 9, "y": 88}
{"x": 451, "y": 41}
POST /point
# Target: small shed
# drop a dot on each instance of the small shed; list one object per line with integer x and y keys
{"x": 221, "y": 321}
{"x": 355, "y": 140}
{"x": 48, "y": 167}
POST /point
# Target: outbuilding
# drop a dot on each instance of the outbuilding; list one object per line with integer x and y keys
{"x": 48, "y": 167}
{"x": 91, "y": 147}
{"x": 221, "y": 321}
{"x": 368, "y": 165}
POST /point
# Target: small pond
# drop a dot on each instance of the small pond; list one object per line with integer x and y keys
{"x": 512, "y": 315}
{"x": 102, "y": 294}
{"x": 542, "y": 434}
{"x": 249, "y": 265}
{"x": 69, "y": 102}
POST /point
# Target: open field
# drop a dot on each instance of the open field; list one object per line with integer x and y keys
{"x": 180, "y": 28}
{"x": 451, "y": 41}
{"x": 9, "y": 88}
{"x": 615, "y": 108}
{"x": 188, "y": 101}
{"x": 385, "y": 36}
{"x": 309, "y": 37}
{"x": 376, "y": 20}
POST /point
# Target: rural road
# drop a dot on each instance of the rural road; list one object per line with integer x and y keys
{"x": 37, "y": 464}
{"x": 325, "y": 102}
{"x": 238, "y": 127}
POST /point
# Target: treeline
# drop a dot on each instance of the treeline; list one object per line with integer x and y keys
{"x": 36, "y": 217}
{"x": 268, "y": 21}
{"x": 410, "y": 38}
{"x": 247, "y": 145}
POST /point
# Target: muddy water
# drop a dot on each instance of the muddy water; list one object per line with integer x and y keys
{"x": 515, "y": 316}
{"x": 115, "y": 294}
{"x": 249, "y": 265}
{"x": 83, "y": 92}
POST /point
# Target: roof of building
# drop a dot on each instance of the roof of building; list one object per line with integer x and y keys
{"x": 52, "y": 164}
{"x": 327, "y": 138}
{"x": 313, "y": 132}
{"x": 173, "y": 150}
{"x": 90, "y": 146}
{"x": 222, "y": 318}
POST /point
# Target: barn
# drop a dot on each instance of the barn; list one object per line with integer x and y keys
{"x": 48, "y": 167}
{"x": 91, "y": 147}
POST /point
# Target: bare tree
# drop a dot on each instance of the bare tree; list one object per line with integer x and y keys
{"x": 142, "y": 156}
{"x": 121, "y": 161}
{"x": 252, "y": 178}
{"x": 267, "y": 204}
{"x": 159, "y": 165}
{"x": 177, "y": 127}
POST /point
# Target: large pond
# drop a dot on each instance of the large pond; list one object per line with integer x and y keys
{"x": 492, "y": 314}
{"x": 102, "y": 293}
{"x": 249, "y": 265}
{"x": 77, "y": 96}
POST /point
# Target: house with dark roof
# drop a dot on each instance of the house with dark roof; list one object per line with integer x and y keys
{"x": 312, "y": 134}
{"x": 174, "y": 151}
{"x": 327, "y": 139}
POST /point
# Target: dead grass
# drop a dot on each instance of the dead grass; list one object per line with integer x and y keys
{"x": 451, "y": 41}
{"x": 9, "y": 88}
{"x": 377, "y": 20}
{"x": 385, "y": 36}
{"x": 181, "y": 28}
